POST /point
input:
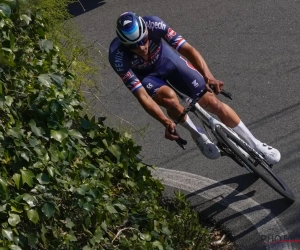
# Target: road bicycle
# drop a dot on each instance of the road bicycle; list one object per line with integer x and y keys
{"x": 233, "y": 146}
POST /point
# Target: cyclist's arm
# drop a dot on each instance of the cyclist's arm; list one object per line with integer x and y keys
{"x": 197, "y": 60}
{"x": 151, "y": 107}
{"x": 176, "y": 41}
{"x": 199, "y": 63}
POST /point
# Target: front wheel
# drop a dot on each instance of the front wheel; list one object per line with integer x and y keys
{"x": 254, "y": 162}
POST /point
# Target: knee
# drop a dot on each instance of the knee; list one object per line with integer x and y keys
{"x": 167, "y": 98}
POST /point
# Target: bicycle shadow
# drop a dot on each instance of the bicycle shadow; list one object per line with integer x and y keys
{"x": 82, "y": 6}
{"x": 276, "y": 207}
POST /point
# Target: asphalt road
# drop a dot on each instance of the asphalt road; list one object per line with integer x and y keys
{"x": 253, "y": 46}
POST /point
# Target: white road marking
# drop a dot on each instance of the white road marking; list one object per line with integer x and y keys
{"x": 192, "y": 183}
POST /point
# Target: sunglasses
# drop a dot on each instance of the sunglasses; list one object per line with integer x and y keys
{"x": 138, "y": 44}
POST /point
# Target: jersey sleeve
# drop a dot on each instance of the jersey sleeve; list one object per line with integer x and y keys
{"x": 130, "y": 80}
{"x": 120, "y": 64}
{"x": 158, "y": 26}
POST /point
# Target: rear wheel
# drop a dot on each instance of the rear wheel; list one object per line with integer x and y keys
{"x": 254, "y": 162}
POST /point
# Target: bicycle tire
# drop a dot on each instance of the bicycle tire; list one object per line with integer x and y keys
{"x": 256, "y": 164}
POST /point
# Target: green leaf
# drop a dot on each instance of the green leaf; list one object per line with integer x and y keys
{"x": 80, "y": 191}
{"x": 51, "y": 171}
{"x": 33, "y": 216}
{"x": 46, "y": 45}
{"x": 14, "y": 247}
{"x": 59, "y": 135}
{"x": 75, "y": 133}
{"x": 9, "y": 100}
{"x": 45, "y": 80}
{"x": 8, "y": 234}
{"x": 27, "y": 177}
{"x": 5, "y": 9}
{"x": 115, "y": 150}
{"x": 158, "y": 245}
{"x": 104, "y": 226}
{"x": 7, "y": 49}
{"x": 34, "y": 128}
{"x": 13, "y": 209}
{"x": 25, "y": 18}
{"x": 97, "y": 151}
{"x": 25, "y": 156}
{"x": 33, "y": 142}
{"x": 14, "y": 132}
{"x": 17, "y": 179}
{"x": 48, "y": 209}
{"x": 57, "y": 78}
{"x": 87, "y": 206}
{"x": 166, "y": 231}
{"x": 120, "y": 206}
{"x": 12, "y": 3}
{"x": 85, "y": 248}
{"x": 14, "y": 219}
{"x": 3, "y": 184}
{"x": 145, "y": 236}
{"x": 30, "y": 200}
{"x": 53, "y": 154}
{"x": 43, "y": 178}
{"x": 69, "y": 223}
{"x": 98, "y": 235}
{"x": 111, "y": 209}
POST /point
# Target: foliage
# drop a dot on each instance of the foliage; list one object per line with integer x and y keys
{"x": 67, "y": 181}
{"x": 72, "y": 45}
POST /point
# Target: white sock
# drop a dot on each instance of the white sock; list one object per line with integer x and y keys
{"x": 190, "y": 126}
{"x": 244, "y": 132}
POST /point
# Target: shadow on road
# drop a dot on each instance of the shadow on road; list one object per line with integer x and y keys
{"x": 82, "y": 6}
{"x": 275, "y": 207}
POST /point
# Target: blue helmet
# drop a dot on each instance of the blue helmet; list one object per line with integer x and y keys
{"x": 131, "y": 28}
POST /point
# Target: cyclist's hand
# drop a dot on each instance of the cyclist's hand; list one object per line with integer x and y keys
{"x": 170, "y": 132}
{"x": 214, "y": 85}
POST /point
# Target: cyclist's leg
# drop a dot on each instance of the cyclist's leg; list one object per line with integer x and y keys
{"x": 188, "y": 80}
{"x": 191, "y": 82}
{"x": 165, "y": 96}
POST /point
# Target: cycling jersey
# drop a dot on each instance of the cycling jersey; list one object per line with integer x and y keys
{"x": 163, "y": 62}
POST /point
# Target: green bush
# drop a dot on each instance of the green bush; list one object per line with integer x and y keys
{"x": 67, "y": 181}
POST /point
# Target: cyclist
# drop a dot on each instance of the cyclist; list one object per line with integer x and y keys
{"x": 144, "y": 54}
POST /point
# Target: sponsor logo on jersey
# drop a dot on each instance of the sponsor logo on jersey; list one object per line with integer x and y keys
{"x": 156, "y": 25}
{"x": 149, "y": 85}
{"x": 126, "y": 76}
{"x": 171, "y": 33}
{"x": 119, "y": 61}
{"x": 195, "y": 84}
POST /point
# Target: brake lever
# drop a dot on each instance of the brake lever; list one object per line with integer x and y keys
{"x": 226, "y": 94}
{"x": 223, "y": 92}
{"x": 181, "y": 142}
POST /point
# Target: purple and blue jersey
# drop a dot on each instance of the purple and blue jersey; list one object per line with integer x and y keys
{"x": 163, "y": 62}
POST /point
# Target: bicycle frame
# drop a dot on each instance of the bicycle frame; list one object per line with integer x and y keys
{"x": 212, "y": 123}
{"x": 233, "y": 146}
